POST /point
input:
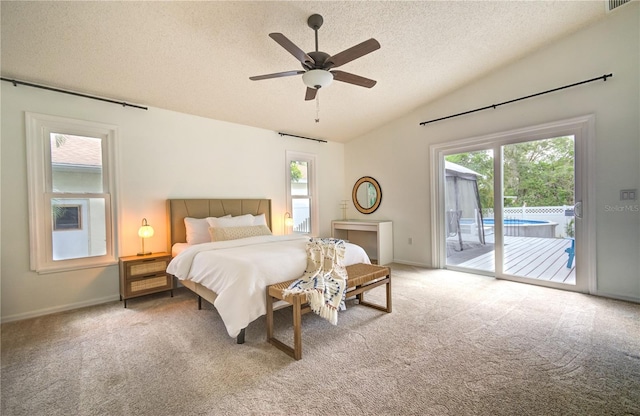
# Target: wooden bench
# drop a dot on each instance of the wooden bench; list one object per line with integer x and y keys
{"x": 361, "y": 278}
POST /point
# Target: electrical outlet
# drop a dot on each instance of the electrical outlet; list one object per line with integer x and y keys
{"x": 628, "y": 194}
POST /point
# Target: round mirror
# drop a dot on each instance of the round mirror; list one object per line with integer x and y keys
{"x": 366, "y": 195}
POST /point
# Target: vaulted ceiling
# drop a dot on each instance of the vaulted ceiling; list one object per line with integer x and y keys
{"x": 197, "y": 57}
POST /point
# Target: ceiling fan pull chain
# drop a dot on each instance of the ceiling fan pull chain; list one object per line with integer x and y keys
{"x": 318, "y": 108}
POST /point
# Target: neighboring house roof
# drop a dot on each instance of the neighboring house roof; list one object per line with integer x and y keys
{"x": 76, "y": 150}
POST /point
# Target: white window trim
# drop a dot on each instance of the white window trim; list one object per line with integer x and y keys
{"x": 583, "y": 129}
{"x": 38, "y": 127}
{"x": 311, "y": 183}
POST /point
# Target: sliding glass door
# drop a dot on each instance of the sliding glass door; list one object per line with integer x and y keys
{"x": 510, "y": 206}
{"x": 538, "y": 214}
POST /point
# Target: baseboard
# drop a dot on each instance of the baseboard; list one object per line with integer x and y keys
{"x": 412, "y": 263}
{"x": 61, "y": 308}
{"x": 617, "y": 297}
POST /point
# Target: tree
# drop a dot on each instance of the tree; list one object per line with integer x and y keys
{"x": 481, "y": 162}
{"x": 535, "y": 173}
{"x": 296, "y": 173}
{"x": 539, "y": 173}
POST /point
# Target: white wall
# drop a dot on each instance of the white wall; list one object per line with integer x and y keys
{"x": 397, "y": 155}
{"x": 161, "y": 155}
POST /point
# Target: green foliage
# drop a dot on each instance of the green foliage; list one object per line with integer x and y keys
{"x": 481, "y": 162}
{"x": 539, "y": 173}
{"x": 60, "y": 140}
{"x": 569, "y": 228}
{"x": 57, "y": 210}
{"x": 536, "y": 173}
{"x": 296, "y": 173}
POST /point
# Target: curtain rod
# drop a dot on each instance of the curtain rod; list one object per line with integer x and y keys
{"x": 77, "y": 94}
{"x": 494, "y": 106}
{"x": 302, "y": 137}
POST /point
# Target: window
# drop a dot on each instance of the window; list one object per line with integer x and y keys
{"x": 67, "y": 217}
{"x": 301, "y": 202}
{"x": 70, "y": 193}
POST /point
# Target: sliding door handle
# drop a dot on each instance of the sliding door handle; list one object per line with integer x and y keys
{"x": 578, "y": 209}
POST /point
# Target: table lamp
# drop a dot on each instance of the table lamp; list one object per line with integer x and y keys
{"x": 145, "y": 231}
{"x": 288, "y": 222}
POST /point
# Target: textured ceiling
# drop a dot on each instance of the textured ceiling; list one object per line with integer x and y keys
{"x": 197, "y": 57}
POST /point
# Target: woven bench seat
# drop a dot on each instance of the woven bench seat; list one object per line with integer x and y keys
{"x": 361, "y": 278}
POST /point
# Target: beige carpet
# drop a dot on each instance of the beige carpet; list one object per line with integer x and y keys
{"x": 455, "y": 344}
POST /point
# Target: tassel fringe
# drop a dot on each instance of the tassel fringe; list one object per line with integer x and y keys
{"x": 325, "y": 279}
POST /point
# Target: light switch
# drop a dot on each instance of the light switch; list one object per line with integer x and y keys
{"x": 628, "y": 194}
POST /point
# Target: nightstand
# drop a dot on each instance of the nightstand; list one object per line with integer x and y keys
{"x": 144, "y": 275}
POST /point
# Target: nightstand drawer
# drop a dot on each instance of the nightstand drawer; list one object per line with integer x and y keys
{"x": 146, "y": 267}
{"x": 148, "y": 284}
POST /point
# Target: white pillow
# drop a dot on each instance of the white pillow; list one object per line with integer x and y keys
{"x": 259, "y": 220}
{"x": 235, "y": 233}
{"x": 197, "y": 230}
{"x": 224, "y": 222}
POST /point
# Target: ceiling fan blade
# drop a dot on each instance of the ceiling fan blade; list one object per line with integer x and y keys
{"x": 311, "y": 94}
{"x": 352, "y": 53}
{"x": 353, "y": 79}
{"x": 299, "y": 54}
{"x": 276, "y": 75}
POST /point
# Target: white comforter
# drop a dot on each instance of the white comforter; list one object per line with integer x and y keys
{"x": 239, "y": 271}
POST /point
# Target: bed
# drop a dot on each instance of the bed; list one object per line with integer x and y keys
{"x": 233, "y": 274}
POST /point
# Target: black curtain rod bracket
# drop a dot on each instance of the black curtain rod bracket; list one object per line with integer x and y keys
{"x": 77, "y": 94}
{"x": 302, "y": 137}
{"x": 494, "y": 106}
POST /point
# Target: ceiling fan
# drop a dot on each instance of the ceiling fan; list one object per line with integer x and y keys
{"x": 318, "y": 66}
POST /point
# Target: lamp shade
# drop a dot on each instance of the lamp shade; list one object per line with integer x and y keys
{"x": 317, "y": 78}
{"x": 288, "y": 222}
{"x": 145, "y": 230}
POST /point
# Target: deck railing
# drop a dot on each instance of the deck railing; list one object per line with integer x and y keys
{"x": 562, "y": 215}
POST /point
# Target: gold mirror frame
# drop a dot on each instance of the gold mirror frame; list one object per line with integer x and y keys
{"x": 368, "y": 180}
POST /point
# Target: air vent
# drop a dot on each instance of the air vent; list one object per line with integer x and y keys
{"x": 610, "y": 5}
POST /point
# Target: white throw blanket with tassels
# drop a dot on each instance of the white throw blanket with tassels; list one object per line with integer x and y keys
{"x": 325, "y": 278}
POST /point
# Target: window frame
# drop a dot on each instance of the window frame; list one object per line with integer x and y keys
{"x": 63, "y": 226}
{"x": 312, "y": 193}
{"x": 41, "y": 195}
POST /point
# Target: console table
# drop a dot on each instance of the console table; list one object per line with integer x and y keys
{"x": 374, "y": 236}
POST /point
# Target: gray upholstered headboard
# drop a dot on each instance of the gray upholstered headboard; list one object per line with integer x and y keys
{"x": 178, "y": 209}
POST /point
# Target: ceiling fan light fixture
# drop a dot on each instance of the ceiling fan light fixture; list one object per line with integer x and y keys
{"x": 317, "y": 78}
{"x": 318, "y": 68}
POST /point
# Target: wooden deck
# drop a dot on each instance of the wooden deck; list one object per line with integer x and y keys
{"x": 537, "y": 258}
